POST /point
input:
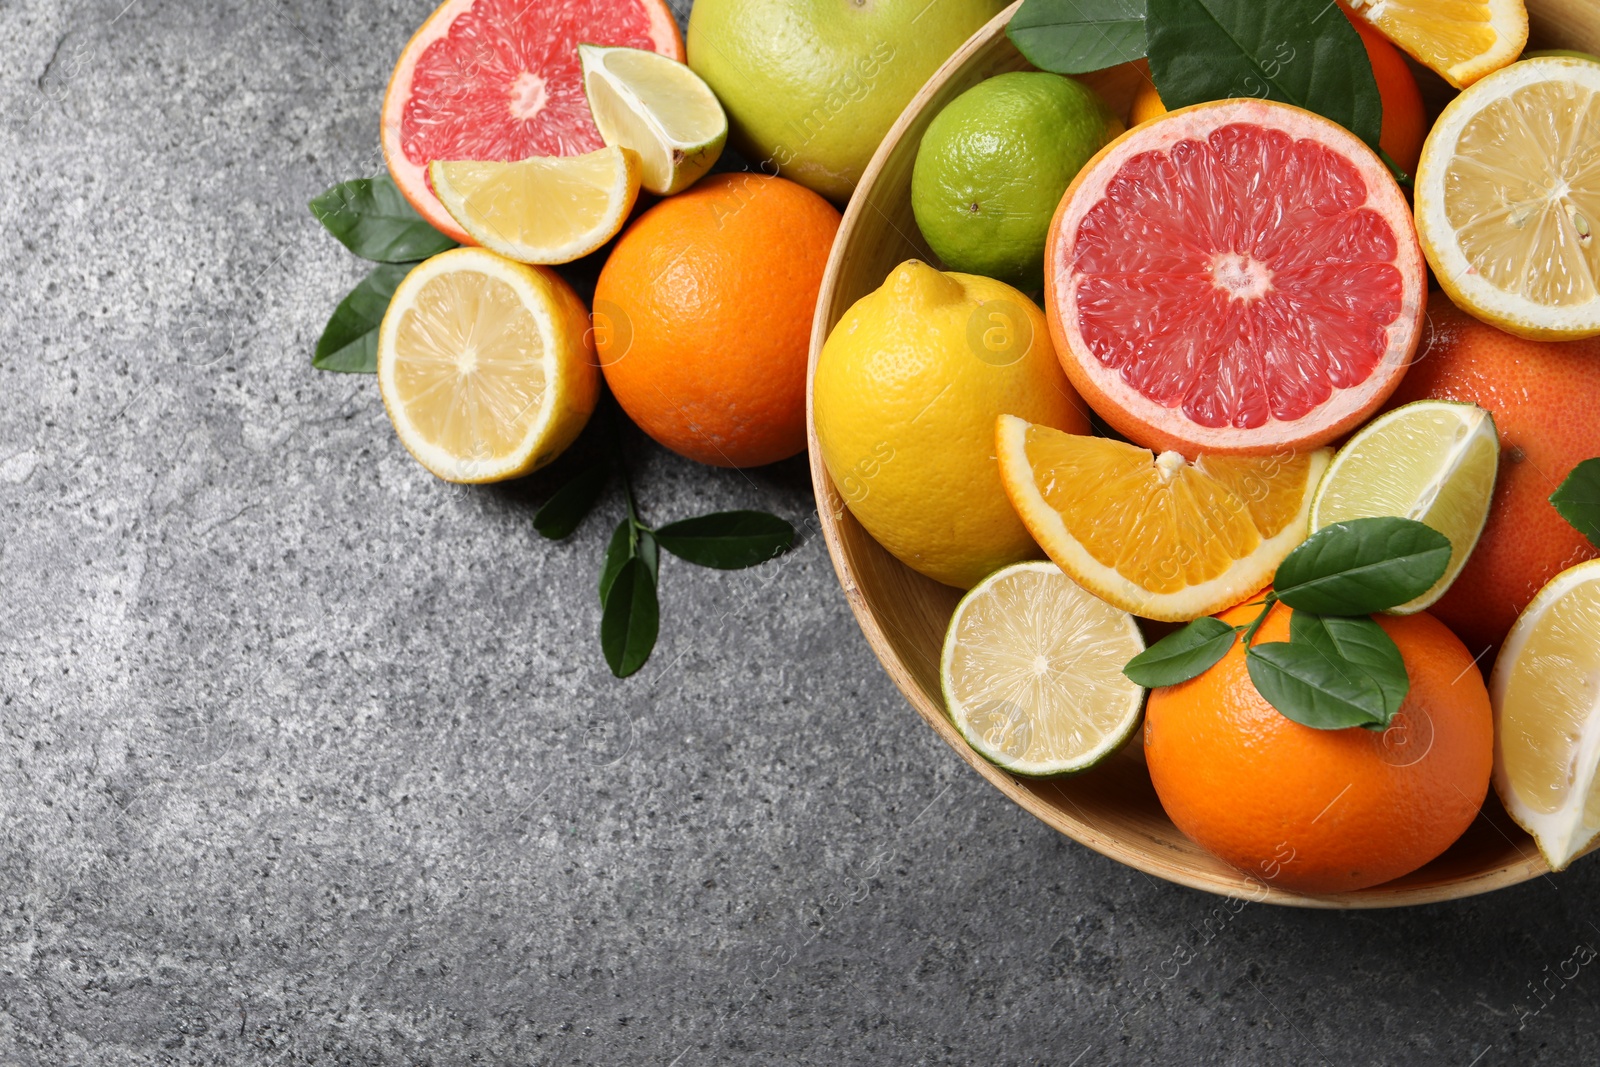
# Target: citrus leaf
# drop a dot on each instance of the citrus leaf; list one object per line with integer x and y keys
{"x": 1302, "y": 52}
{"x": 349, "y": 343}
{"x": 630, "y": 618}
{"x": 727, "y": 540}
{"x": 1182, "y": 655}
{"x": 372, "y": 218}
{"x": 622, "y": 548}
{"x": 1362, "y": 566}
{"x": 1078, "y": 36}
{"x": 1578, "y": 499}
{"x": 1311, "y": 689}
{"x": 1361, "y": 645}
{"x": 569, "y": 505}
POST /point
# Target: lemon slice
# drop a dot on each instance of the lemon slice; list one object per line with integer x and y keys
{"x": 1155, "y": 535}
{"x": 1460, "y": 40}
{"x": 657, "y": 107}
{"x": 543, "y": 210}
{"x": 1032, "y": 672}
{"x": 1546, "y": 695}
{"x": 485, "y": 365}
{"x": 1433, "y": 461}
{"x": 1508, "y": 199}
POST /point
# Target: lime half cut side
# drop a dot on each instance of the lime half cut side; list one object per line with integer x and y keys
{"x": 1032, "y": 672}
{"x": 1545, "y": 691}
{"x": 1433, "y": 461}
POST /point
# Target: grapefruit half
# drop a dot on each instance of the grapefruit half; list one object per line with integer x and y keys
{"x": 1239, "y": 277}
{"x": 501, "y": 80}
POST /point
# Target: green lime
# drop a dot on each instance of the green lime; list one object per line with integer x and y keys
{"x": 992, "y": 168}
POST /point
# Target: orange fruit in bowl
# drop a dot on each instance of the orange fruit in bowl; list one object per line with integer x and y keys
{"x": 1405, "y": 125}
{"x": 1544, "y": 396}
{"x": 1274, "y": 311}
{"x": 703, "y": 317}
{"x": 1324, "y": 811}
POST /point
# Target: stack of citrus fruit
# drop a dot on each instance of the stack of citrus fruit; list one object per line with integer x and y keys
{"x": 1238, "y": 291}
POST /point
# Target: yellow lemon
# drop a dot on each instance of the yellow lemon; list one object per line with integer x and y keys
{"x": 905, "y": 398}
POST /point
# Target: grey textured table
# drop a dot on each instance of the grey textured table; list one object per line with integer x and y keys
{"x": 308, "y": 758}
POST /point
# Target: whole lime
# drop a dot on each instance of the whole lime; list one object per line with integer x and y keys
{"x": 812, "y": 86}
{"x": 993, "y": 166}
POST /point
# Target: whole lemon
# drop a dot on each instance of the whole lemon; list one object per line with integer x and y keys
{"x": 812, "y": 86}
{"x": 907, "y": 390}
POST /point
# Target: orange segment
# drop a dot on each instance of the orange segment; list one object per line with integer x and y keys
{"x": 1156, "y": 535}
{"x": 1462, "y": 40}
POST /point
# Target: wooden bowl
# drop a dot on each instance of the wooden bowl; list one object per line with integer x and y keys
{"x": 1112, "y": 809}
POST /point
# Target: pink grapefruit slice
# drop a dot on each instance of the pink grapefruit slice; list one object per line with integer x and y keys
{"x": 501, "y": 80}
{"x": 1240, "y": 277}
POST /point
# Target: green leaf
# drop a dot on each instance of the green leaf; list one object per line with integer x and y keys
{"x": 1361, "y": 645}
{"x": 349, "y": 342}
{"x": 623, "y": 548}
{"x": 1078, "y": 36}
{"x": 630, "y": 618}
{"x": 569, "y": 505}
{"x": 1182, "y": 655}
{"x": 371, "y": 218}
{"x": 1303, "y": 683}
{"x": 1362, "y": 566}
{"x": 728, "y": 540}
{"x": 1302, "y": 52}
{"x": 1578, "y": 499}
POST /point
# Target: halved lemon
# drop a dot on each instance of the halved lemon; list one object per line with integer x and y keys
{"x": 1460, "y": 40}
{"x": 1545, "y": 690}
{"x": 1032, "y": 672}
{"x": 659, "y": 108}
{"x": 1508, "y": 199}
{"x": 543, "y": 210}
{"x": 486, "y": 366}
{"x": 1434, "y": 461}
{"x": 1155, "y": 535}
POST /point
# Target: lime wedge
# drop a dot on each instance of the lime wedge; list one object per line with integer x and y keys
{"x": 541, "y": 210}
{"x": 657, "y": 107}
{"x": 1545, "y": 690}
{"x": 1433, "y": 461}
{"x": 1032, "y": 672}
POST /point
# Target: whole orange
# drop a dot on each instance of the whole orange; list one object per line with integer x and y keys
{"x": 1545, "y": 396}
{"x": 1405, "y": 125}
{"x": 1324, "y": 811}
{"x": 703, "y": 317}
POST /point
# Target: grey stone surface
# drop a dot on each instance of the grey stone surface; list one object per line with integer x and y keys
{"x": 307, "y": 758}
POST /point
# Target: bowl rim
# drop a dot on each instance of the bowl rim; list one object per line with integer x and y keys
{"x": 830, "y": 511}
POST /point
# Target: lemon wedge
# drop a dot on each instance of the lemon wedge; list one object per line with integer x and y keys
{"x": 485, "y": 365}
{"x": 1155, "y": 535}
{"x": 1545, "y": 690}
{"x": 657, "y": 107}
{"x": 1434, "y": 461}
{"x": 545, "y": 210}
{"x": 1032, "y": 672}
{"x": 1460, "y": 40}
{"x": 1508, "y": 199}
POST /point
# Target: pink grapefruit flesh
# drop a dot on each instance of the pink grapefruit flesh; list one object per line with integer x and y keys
{"x": 1237, "y": 277}
{"x": 500, "y": 79}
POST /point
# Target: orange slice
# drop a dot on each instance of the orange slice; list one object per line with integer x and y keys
{"x": 1461, "y": 40}
{"x": 1156, "y": 535}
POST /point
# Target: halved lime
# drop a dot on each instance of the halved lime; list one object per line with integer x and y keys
{"x": 1433, "y": 461}
{"x": 1546, "y": 695}
{"x": 1032, "y": 672}
{"x": 657, "y": 107}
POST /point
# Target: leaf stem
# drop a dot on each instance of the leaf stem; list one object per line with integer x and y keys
{"x": 1400, "y": 176}
{"x": 1266, "y": 609}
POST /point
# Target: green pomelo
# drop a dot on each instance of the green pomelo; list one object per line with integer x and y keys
{"x": 812, "y": 86}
